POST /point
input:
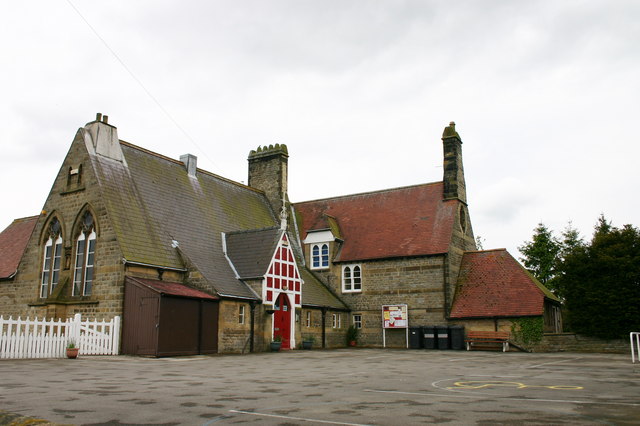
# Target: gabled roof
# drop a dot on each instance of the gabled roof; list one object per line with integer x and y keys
{"x": 13, "y": 242}
{"x": 493, "y": 284}
{"x": 152, "y": 202}
{"x": 171, "y": 288}
{"x": 251, "y": 251}
{"x": 400, "y": 222}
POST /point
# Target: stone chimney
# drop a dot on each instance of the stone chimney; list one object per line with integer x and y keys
{"x": 268, "y": 172}
{"x": 454, "y": 185}
{"x": 190, "y": 162}
{"x": 101, "y": 138}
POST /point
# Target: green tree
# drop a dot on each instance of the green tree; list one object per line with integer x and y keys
{"x": 540, "y": 255}
{"x": 600, "y": 282}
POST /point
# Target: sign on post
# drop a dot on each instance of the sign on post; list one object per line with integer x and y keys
{"x": 394, "y": 316}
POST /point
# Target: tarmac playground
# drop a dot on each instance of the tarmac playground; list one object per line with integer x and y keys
{"x": 339, "y": 387}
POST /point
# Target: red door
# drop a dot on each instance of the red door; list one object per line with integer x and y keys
{"x": 282, "y": 320}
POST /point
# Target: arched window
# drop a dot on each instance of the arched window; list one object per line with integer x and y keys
{"x": 320, "y": 256}
{"x": 351, "y": 279}
{"x": 85, "y": 257}
{"x": 52, "y": 259}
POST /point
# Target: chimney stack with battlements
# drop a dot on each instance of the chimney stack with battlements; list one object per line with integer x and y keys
{"x": 268, "y": 172}
{"x": 454, "y": 184}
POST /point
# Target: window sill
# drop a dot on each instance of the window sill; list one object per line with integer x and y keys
{"x": 63, "y": 302}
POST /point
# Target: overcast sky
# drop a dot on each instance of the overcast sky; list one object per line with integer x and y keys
{"x": 545, "y": 95}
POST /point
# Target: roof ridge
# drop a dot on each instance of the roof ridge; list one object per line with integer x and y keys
{"x": 25, "y": 219}
{"x": 250, "y": 231}
{"x": 379, "y": 191}
{"x": 486, "y": 251}
{"x": 173, "y": 160}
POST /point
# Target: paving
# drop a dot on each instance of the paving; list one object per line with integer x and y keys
{"x": 341, "y": 387}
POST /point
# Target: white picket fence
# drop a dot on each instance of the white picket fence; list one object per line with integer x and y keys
{"x": 49, "y": 338}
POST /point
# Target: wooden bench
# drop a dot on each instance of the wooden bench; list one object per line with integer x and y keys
{"x": 481, "y": 337}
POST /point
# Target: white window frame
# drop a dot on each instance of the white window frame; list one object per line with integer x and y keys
{"x": 308, "y": 319}
{"x": 357, "y": 321}
{"x": 334, "y": 320}
{"x": 50, "y": 275}
{"x": 319, "y": 254}
{"x": 84, "y": 262}
{"x": 241, "y": 314}
{"x": 349, "y": 278}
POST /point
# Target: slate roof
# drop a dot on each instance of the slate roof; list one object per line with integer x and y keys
{"x": 493, "y": 284}
{"x": 152, "y": 201}
{"x": 252, "y": 251}
{"x": 13, "y": 242}
{"x": 399, "y": 222}
{"x": 315, "y": 293}
{"x": 172, "y": 288}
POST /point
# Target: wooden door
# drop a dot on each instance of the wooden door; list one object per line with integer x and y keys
{"x": 282, "y": 320}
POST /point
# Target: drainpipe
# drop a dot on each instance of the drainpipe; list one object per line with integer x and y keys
{"x": 445, "y": 283}
{"x": 252, "y": 332}
{"x": 324, "y": 323}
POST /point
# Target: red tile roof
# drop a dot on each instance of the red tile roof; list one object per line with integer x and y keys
{"x": 13, "y": 241}
{"x": 408, "y": 221}
{"x": 173, "y": 289}
{"x": 493, "y": 284}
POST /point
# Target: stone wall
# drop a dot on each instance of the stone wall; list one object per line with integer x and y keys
{"x": 67, "y": 201}
{"x": 570, "y": 342}
{"x": 417, "y": 282}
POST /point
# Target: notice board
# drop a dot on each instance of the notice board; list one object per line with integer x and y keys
{"x": 394, "y": 316}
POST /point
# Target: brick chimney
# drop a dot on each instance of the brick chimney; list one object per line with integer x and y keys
{"x": 268, "y": 172}
{"x": 101, "y": 138}
{"x": 454, "y": 185}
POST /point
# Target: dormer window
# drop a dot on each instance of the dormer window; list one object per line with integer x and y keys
{"x": 320, "y": 256}
{"x": 351, "y": 279}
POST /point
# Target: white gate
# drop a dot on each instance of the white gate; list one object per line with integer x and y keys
{"x": 49, "y": 338}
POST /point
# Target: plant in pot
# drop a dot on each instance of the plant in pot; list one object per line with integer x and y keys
{"x": 352, "y": 335}
{"x": 307, "y": 341}
{"x": 276, "y": 343}
{"x": 72, "y": 350}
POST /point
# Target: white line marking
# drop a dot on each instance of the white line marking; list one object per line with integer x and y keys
{"x": 253, "y": 413}
{"x": 553, "y": 362}
{"x": 491, "y": 375}
{"x": 484, "y": 396}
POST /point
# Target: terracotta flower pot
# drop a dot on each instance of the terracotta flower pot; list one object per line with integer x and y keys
{"x": 72, "y": 353}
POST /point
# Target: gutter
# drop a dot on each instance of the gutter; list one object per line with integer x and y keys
{"x": 166, "y": 268}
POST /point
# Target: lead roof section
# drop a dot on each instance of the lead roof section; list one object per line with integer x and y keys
{"x": 400, "y": 222}
{"x": 152, "y": 202}
{"x": 13, "y": 242}
{"x": 493, "y": 284}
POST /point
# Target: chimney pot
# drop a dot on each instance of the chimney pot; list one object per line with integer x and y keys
{"x": 99, "y": 116}
{"x": 105, "y": 119}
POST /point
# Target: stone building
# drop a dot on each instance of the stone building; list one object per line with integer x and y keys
{"x": 123, "y": 225}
